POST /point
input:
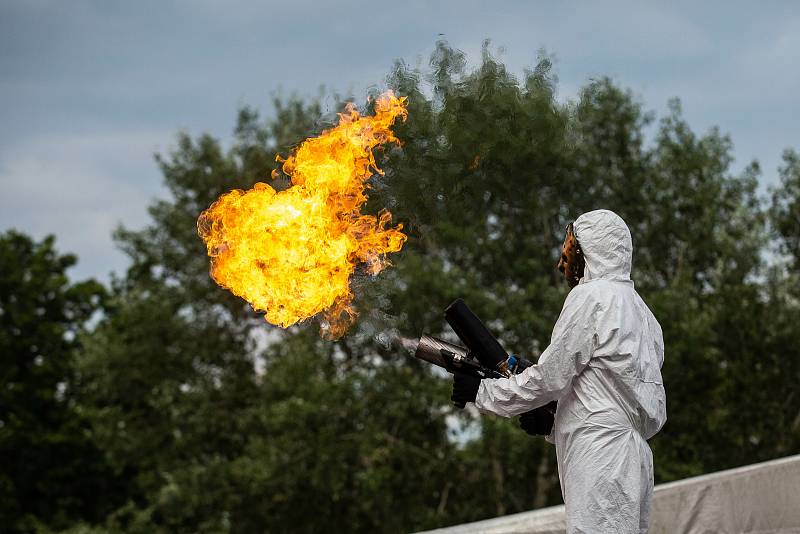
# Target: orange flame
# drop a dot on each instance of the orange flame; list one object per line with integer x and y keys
{"x": 291, "y": 254}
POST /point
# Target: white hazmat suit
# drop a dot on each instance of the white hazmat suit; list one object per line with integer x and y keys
{"x": 603, "y": 366}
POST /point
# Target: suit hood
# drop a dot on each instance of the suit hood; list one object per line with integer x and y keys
{"x": 607, "y": 246}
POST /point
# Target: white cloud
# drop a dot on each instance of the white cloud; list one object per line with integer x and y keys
{"x": 80, "y": 188}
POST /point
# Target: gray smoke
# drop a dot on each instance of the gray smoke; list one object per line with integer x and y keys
{"x": 410, "y": 344}
{"x": 392, "y": 339}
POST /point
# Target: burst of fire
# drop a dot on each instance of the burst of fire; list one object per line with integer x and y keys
{"x": 291, "y": 253}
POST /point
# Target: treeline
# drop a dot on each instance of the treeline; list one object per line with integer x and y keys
{"x": 163, "y": 404}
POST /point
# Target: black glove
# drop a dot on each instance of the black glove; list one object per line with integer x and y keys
{"x": 465, "y": 389}
{"x": 539, "y": 421}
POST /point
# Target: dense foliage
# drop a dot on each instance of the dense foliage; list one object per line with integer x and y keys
{"x": 209, "y": 420}
{"x": 52, "y": 472}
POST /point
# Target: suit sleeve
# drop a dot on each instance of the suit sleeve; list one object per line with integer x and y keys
{"x": 571, "y": 347}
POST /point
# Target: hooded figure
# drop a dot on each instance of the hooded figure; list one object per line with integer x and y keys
{"x": 603, "y": 366}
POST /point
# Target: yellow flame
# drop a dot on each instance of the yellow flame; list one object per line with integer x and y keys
{"x": 291, "y": 254}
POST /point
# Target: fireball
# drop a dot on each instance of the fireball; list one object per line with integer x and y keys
{"x": 291, "y": 254}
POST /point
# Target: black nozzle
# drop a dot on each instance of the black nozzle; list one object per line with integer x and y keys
{"x": 469, "y": 328}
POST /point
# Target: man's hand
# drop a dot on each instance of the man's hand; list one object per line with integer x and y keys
{"x": 538, "y": 422}
{"x": 465, "y": 389}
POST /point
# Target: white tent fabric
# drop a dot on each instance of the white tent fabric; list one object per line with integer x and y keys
{"x": 761, "y": 498}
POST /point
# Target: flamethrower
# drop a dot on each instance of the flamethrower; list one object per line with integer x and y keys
{"x": 483, "y": 357}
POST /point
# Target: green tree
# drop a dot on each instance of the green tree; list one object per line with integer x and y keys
{"x": 785, "y": 209}
{"x": 223, "y": 423}
{"x": 51, "y": 474}
{"x": 217, "y": 432}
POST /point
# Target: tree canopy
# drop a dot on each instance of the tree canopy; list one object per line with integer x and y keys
{"x": 52, "y": 473}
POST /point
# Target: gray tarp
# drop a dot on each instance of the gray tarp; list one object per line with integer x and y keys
{"x": 762, "y": 498}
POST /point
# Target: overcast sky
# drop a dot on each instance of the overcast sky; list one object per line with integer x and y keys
{"x": 89, "y": 91}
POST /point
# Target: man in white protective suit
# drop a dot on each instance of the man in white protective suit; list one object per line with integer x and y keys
{"x": 603, "y": 366}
